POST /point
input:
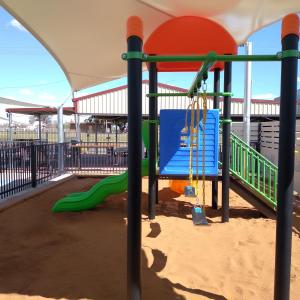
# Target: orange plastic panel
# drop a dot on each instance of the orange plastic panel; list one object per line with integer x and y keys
{"x": 188, "y": 36}
{"x": 178, "y": 186}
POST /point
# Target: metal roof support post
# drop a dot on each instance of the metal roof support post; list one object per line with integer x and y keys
{"x": 287, "y": 128}
{"x": 39, "y": 128}
{"x": 214, "y": 183}
{"x": 247, "y": 95}
{"x": 60, "y": 130}
{"x": 10, "y": 134}
{"x": 134, "y": 71}
{"x": 77, "y": 127}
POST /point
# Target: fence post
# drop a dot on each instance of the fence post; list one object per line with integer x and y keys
{"x": 33, "y": 165}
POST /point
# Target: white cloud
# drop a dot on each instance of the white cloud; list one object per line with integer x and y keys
{"x": 46, "y": 96}
{"x": 265, "y": 96}
{"x": 26, "y": 92}
{"x": 16, "y": 24}
{"x": 298, "y": 79}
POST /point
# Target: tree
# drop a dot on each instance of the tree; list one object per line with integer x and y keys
{"x": 98, "y": 121}
{"x": 45, "y": 120}
{"x": 122, "y": 124}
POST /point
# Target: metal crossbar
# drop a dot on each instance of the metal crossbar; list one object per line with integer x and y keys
{"x": 224, "y": 58}
{"x": 220, "y": 94}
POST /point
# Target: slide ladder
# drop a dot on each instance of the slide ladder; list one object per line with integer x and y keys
{"x": 253, "y": 176}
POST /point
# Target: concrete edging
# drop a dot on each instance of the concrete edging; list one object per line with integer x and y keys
{"x": 24, "y": 195}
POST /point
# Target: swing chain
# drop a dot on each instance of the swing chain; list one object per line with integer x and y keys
{"x": 194, "y": 140}
{"x": 204, "y": 98}
{"x": 204, "y": 87}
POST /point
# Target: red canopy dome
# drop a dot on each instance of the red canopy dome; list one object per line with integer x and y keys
{"x": 189, "y": 36}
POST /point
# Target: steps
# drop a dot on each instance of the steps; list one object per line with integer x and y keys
{"x": 253, "y": 177}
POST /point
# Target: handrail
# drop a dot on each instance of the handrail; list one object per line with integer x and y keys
{"x": 254, "y": 170}
{"x": 252, "y": 149}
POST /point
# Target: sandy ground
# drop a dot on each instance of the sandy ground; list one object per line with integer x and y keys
{"x": 83, "y": 255}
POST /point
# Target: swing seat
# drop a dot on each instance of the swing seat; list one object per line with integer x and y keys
{"x": 189, "y": 191}
{"x": 198, "y": 216}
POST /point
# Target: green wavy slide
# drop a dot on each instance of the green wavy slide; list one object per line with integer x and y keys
{"x": 104, "y": 188}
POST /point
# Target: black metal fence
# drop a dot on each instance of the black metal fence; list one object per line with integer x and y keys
{"x": 51, "y": 135}
{"x": 100, "y": 158}
{"x": 27, "y": 164}
{"x": 23, "y": 166}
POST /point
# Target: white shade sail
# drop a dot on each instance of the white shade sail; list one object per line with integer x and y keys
{"x": 240, "y": 17}
{"x": 19, "y": 103}
{"x": 87, "y": 38}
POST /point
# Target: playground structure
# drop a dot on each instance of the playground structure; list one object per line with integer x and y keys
{"x": 202, "y": 60}
{"x": 252, "y": 174}
{"x": 160, "y": 48}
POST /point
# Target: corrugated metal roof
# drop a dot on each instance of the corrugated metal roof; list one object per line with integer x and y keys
{"x": 114, "y": 102}
{"x": 39, "y": 110}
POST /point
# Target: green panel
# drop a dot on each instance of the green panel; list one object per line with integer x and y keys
{"x": 247, "y": 165}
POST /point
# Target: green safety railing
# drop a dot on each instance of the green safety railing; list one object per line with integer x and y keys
{"x": 254, "y": 170}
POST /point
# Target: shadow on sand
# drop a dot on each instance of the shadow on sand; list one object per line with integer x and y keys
{"x": 75, "y": 255}
{"x": 172, "y": 207}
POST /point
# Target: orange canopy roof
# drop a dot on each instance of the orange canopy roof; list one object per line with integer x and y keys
{"x": 189, "y": 36}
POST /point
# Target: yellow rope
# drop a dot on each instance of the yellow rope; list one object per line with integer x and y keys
{"x": 197, "y": 150}
{"x": 194, "y": 141}
{"x": 194, "y": 144}
{"x": 191, "y": 143}
{"x": 204, "y": 98}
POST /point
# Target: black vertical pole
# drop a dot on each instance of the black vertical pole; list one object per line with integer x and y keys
{"x": 116, "y": 144}
{"x": 288, "y": 98}
{"x": 258, "y": 145}
{"x": 134, "y": 43}
{"x": 40, "y": 129}
{"x": 152, "y": 141}
{"x": 214, "y": 183}
{"x": 226, "y": 143}
{"x": 33, "y": 165}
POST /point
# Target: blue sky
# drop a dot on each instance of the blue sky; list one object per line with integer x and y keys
{"x": 29, "y": 73}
